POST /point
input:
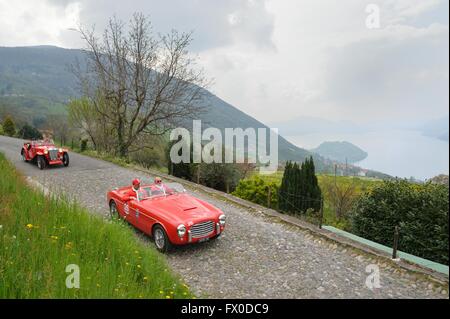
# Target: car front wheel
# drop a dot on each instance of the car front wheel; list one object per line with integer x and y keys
{"x": 66, "y": 159}
{"x": 41, "y": 162}
{"x": 162, "y": 242}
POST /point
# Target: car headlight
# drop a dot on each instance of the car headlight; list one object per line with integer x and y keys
{"x": 45, "y": 151}
{"x": 181, "y": 229}
{"x": 222, "y": 219}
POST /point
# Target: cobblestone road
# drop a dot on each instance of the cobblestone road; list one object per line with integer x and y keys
{"x": 255, "y": 258}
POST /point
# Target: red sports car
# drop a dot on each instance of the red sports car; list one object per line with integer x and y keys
{"x": 44, "y": 153}
{"x": 167, "y": 213}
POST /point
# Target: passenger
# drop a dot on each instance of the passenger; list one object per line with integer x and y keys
{"x": 160, "y": 186}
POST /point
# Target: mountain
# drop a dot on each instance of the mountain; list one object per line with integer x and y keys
{"x": 343, "y": 152}
{"x": 437, "y": 128}
{"x": 37, "y": 81}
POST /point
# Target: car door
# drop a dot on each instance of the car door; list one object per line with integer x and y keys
{"x": 30, "y": 151}
{"x": 132, "y": 210}
{"x": 145, "y": 220}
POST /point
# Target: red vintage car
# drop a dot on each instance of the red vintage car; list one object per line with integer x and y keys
{"x": 44, "y": 153}
{"x": 167, "y": 213}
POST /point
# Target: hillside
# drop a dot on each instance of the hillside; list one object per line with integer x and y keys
{"x": 36, "y": 81}
{"x": 343, "y": 152}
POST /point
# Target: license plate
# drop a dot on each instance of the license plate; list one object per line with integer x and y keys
{"x": 201, "y": 240}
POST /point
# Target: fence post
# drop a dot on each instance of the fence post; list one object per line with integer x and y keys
{"x": 321, "y": 212}
{"x": 394, "y": 249}
{"x": 198, "y": 173}
{"x": 269, "y": 197}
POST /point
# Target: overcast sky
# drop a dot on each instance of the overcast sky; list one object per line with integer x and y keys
{"x": 277, "y": 60}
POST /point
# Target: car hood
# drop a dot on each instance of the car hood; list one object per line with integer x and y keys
{"x": 181, "y": 208}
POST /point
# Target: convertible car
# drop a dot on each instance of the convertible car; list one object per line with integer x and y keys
{"x": 167, "y": 213}
{"x": 44, "y": 153}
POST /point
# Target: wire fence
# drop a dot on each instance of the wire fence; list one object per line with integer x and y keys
{"x": 309, "y": 214}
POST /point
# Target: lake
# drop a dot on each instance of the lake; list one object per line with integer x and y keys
{"x": 401, "y": 153}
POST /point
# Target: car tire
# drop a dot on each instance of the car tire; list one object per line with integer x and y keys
{"x": 41, "y": 163}
{"x": 113, "y": 210}
{"x": 24, "y": 158}
{"x": 66, "y": 159}
{"x": 161, "y": 239}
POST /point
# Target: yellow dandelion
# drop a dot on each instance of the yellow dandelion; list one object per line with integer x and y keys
{"x": 98, "y": 285}
{"x": 161, "y": 292}
{"x": 139, "y": 266}
{"x": 54, "y": 237}
{"x": 167, "y": 297}
{"x": 29, "y": 226}
{"x": 127, "y": 263}
{"x": 145, "y": 278}
{"x": 171, "y": 292}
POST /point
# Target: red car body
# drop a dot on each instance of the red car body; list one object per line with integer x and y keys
{"x": 167, "y": 213}
{"x": 44, "y": 153}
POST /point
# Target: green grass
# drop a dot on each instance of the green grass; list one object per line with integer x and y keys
{"x": 362, "y": 184}
{"x": 40, "y": 236}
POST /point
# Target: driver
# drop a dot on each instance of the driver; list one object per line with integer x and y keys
{"x": 135, "y": 189}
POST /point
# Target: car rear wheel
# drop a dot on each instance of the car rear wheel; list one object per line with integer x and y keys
{"x": 113, "y": 210}
{"x": 162, "y": 242}
{"x": 66, "y": 159}
{"x": 41, "y": 163}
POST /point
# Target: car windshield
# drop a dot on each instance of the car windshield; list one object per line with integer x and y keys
{"x": 45, "y": 142}
{"x": 154, "y": 190}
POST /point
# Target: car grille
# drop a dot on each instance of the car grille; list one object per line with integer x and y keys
{"x": 202, "y": 229}
{"x": 53, "y": 154}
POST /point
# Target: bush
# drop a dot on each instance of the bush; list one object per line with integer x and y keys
{"x": 83, "y": 145}
{"x": 256, "y": 189}
{"x": 9, "y": 127}
{"x": 29, "y": 132}
{"x": 1, "y": 130}
{"x": 421, "y": 211}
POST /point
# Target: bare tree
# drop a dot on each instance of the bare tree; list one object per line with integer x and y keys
{"x": 59, "y": 126}
{"x": 341, "y": 196}
{"x": 139, "y": 83}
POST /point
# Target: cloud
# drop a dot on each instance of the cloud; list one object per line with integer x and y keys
{"x": 278, "y": 60}
{"x": 400, "y": 71}
{"x": 36, "y": 22}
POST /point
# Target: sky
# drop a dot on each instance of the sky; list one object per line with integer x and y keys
{"x": 281, "y": 59}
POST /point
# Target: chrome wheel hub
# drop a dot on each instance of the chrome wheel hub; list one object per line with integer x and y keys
{"x": 159, "y": 238}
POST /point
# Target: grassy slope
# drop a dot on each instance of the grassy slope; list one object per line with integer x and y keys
{"x": 40, "y": 236}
